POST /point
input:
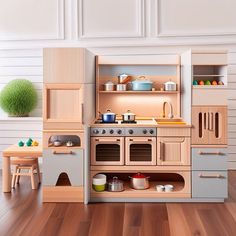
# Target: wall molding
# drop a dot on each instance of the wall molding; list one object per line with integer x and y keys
{"x": 160, "y": 33}
{"x": 60, "y": 34}
{"x": 140, "y": 24}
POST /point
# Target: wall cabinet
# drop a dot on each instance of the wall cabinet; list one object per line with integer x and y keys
{"x": 173, "y": 151}
{"x": 68, "y": 65}
{"x": 209, "y": 125}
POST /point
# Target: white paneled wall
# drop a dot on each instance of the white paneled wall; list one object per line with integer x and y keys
{"x": 232, "y": 110}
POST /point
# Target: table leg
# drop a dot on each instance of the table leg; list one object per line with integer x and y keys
{"x": 6, "y": 175}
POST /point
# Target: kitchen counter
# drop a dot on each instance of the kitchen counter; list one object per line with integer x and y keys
{"x": 145, "y": 122}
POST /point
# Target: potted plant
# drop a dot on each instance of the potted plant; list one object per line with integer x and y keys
{"x": 18, "y": 98}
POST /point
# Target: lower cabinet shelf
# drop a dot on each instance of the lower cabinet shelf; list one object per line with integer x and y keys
{"x": 179, "y": 179}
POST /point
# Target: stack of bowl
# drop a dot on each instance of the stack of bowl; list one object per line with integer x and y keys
{"x": 99, "y": 182}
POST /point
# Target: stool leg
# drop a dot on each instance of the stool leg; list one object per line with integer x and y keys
{"x": 13, "y": 181}
{"x": 38, "y": 172}
{"x": 18, "y": 176}
{"x": 32, "y": 177}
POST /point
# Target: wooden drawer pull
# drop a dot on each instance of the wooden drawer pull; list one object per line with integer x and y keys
{"x": 217, "y": 176}
{"x": 62, "y": 152}
{"x": 210, "y": 153}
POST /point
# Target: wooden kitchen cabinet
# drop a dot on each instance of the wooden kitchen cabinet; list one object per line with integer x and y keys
{"x": 63, "y": 106}
{"x": 68, "y": 65}
{"x": 209, "y": 125}
{"x": 173, "y": 151}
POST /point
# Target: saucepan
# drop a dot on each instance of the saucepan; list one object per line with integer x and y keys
{"x": 139, "y": 181}
{"x": 108, "y": 117}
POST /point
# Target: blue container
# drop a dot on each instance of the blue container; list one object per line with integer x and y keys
{"x": 141, "y": 85}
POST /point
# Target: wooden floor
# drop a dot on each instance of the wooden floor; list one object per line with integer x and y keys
{"x": 22, "y": 213}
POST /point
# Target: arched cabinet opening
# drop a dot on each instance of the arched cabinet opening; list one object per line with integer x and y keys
{"x": 63, "y": 180}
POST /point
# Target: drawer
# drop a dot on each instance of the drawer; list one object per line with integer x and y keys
{"x": 209, "y": 59}
{"x": 209, "y": 158}
{"x": 209, "y": 184}
{"x": 70, "y": 163}
{"x": 173, "y": 132}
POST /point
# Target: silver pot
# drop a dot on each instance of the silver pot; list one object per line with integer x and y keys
{"x": 121, "y": 87}
{"x": 139, "y": 181}
{"x": 128, "y": 116}
{"x": 170, "y": 86}
{"x": 109, "y": 86}
{"x": 123, "y": 78}
{"x": 115, "y": 185}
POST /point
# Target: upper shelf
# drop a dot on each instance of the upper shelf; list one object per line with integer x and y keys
{"x": 209, "y": 86}
{"x": 138, "y": 92}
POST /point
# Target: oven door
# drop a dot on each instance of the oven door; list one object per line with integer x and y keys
{"x": 140, "y": 151}
{"x": 107, "y": 151}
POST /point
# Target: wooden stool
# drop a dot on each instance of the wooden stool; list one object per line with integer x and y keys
{"x": 29, "y": 164}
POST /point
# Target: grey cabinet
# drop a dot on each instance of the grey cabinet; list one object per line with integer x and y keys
{"x": 63, "y": 161}
{"x": 209, "y": 184}
{"x": 209, "y": 173}
{"x": 209, "y": 158}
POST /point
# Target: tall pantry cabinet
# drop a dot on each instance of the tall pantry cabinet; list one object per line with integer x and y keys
{"x": 204, "y": 80}
{"x": 69, "y": 77}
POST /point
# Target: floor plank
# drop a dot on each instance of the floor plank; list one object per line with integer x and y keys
{"x": 22, "y": 213}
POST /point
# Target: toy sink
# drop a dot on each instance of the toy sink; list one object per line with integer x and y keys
{"x": 170, "y": 121}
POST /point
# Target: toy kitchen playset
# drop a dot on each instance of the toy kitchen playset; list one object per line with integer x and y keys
{"x": 134, "y": 128}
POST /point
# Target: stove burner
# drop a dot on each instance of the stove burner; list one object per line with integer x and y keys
{"x": 129, "y": 122}
{"x": 102, "y": 122}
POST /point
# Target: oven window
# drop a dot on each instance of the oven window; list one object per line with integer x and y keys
{"x": 140, "y": 152}
{"x": 107, "y": 152}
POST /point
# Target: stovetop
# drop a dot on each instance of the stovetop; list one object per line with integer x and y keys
{"x": 124, "y": 129}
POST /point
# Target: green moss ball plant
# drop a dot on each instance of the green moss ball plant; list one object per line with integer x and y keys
{"x": 18, "y": 98}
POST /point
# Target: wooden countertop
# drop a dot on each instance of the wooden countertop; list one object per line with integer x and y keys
{"x": 16, "y": 151}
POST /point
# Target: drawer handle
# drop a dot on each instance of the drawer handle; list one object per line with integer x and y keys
{"x": 210, "y": 153}
{"x": 217, "y": 176}
{"x": 62, "y": 152}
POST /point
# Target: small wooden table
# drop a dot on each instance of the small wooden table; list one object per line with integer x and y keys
{"x": 16, "y": 151}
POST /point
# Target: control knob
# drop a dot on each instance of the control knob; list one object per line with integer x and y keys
{"x": 103, "y": 131}
{"x": 119, "y": 131}
{"x": 151, "y": 131}
{"x": 131, "y": 131}
{"x": 144, "y": 131}
{"x": 95, "y": 131}
{"x": 111, "y": 131}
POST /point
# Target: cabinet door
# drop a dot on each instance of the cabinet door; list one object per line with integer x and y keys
{"x": 209, "y": 125}
{"x": 63, "y": 103}
{"x": 173, "y": 151}
{"x": 63, "y": 65}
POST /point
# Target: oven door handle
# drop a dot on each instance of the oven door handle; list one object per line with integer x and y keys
{"x": 140, "y": 141}
{"x": 101, "y": 140}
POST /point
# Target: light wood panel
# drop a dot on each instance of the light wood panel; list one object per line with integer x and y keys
{"x": 63, "y": 194}
{"x": 63, "y": 103}
{"x": 173, "y": 131}
{"x": 68, "y": 65}
{"x": 206, "y": 128}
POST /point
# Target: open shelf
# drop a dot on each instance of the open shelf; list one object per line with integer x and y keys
{"x": 150, "y": 192}
{"x": 209, "y": 86}
{"x": 138, "y": 92}
{"x": 179, "y": 179}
